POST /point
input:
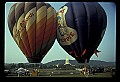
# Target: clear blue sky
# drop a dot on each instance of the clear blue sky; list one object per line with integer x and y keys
{"x": 108, "y": 44}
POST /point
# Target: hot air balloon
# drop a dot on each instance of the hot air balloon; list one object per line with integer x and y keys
{"x": 81, "y": 27}
{"x": 33, "y": 27}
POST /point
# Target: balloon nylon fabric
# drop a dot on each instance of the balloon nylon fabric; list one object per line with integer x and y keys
{"x": 89, "y": 20}
{"x": 33, "y": 27}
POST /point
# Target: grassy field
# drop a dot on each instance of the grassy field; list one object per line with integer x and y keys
{"x": 97, "y": 75}
{"x": 67, "y": 73}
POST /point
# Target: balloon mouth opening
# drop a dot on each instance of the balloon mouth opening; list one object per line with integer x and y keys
{"x": 82, "y": 60}
{"x": 34, "y": 60}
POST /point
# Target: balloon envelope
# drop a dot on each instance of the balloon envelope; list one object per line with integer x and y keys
{"x": 81, "y": 27}
{"x": 33, "y": 27}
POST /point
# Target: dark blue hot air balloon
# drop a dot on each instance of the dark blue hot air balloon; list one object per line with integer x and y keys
{"x": 81, "y": 27}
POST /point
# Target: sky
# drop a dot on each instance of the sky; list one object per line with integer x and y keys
{"x": 107, "y": 46}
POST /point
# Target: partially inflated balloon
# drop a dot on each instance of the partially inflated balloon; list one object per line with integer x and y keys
{"x": 81, "y": 27}
{"x": 33, "y": 27}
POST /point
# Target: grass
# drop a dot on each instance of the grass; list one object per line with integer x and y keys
{"x": 97, "y": 75}
{"x": 68, "y": 73}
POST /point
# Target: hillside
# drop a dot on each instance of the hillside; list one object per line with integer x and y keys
{"x": 91, "y": 63}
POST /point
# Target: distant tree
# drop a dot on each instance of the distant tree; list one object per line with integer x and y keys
{"x": 51, "y": 66}
{"x": 60, "y": 66}
{"x": 13, "y": 66}
{"x": 31, "y": 65}
{"x": 21, "y": 65}
{"x": 44, "y": 66}
{"x": 36, "y": 65}
{"x": 6, "y": 66}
